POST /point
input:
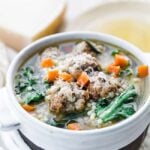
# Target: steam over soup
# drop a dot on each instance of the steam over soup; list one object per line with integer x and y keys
{"x": 80, "y": 85}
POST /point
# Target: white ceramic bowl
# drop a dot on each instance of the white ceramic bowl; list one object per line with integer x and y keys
{"x": 48, "y": 137}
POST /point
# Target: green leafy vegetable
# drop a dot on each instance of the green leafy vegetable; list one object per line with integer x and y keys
{"x": 27, "y": 71}
{"x": 114, "y": 52}
{"x": 101, "y": 106}
{"x": 28, "y": 86}
{"x": 55, "y": 123}
{"x": 21, "y": 86}
{"x": 67, "y": 118}
{"x": 47, "y": 85}
{"x": 33, "y": 97}
{"x": 116, "y": 108}
{"x": 93, "y": 46}
{"x": 126, "y": 111}
{"x": 24, "y": 79}
{"x": 126, "y": 72}
{"x": 121, "y": 112}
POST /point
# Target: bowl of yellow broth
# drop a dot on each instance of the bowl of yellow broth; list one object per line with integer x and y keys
{"x": 126, "y": 19}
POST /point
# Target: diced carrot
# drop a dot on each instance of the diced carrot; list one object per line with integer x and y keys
{"x": 53, "y": 75}
{"x": 47, "y": 62}
{"x": 65, "y": 76}
{"x": 83, "y": 79}
{"x": 28, "y": 108}
{"x": 73, "y": 126}
{"x": 113, "y": 69}
{"x": 121, "y": 60}
{"x": 142, "y": 71}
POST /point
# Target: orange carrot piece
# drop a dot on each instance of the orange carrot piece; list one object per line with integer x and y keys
{"x": 73, "y": 126}
{"x": 142, "y": 71}
{"x": 65, "y": 76}
{"x": 53, "y": 75}
{"x": 121, "y": 60}
{"x": 83, "y": 79}
{"x": 28, "y": 108}
{"x": 47, "y": 62}
{"x": 114, "y": 69}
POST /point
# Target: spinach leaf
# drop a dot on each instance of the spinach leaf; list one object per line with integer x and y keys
{"x": 28, "y": 86}
{"x": 120, "y": 113}
{"x": 27, "y": 71}
{"x": 101, "y": 106}
{"x": 126, "y": 72}
{"x": 53, "y": 122}
{"x": 116, "y": 108}
{"x": 21, "y": 86}
{"x": 33, "y": 97}
{"x": 47, "y": 85}
{"x": 24, "y": 79}
{"x": 126, "y": 111}
{"x": 67, "y": 118}
{"x": 114, "y": 52}
{"x": 93, "y": 46}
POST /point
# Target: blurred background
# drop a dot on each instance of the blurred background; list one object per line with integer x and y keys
{"x": 25, "y": 21}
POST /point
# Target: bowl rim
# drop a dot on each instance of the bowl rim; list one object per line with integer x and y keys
{"x": 141, "y": 112}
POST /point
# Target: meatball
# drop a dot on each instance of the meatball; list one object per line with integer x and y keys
{"x": 52, "y": 52}
{"x": 66, "y": 97}
{"x": 104, "y": 86}
{"x": 84, "y": 47}
{"x": 80, "y": 62}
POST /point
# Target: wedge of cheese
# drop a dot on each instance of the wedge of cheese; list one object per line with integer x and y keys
{"x": 24, "y": 21}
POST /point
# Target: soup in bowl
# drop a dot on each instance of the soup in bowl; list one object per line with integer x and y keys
{"x": 81, "y": 84}
{"x": 80, "y": 88}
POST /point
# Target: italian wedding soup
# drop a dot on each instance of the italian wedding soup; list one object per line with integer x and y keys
{"x": 81, "y": 84}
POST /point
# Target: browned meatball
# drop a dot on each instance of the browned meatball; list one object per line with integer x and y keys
{"x": 52, "y": 52}
{"x": 84, "y": 47}
{"x": 66, "y": 97}
{"x": 102, "y": 85}
{"x": 81, "y": 62}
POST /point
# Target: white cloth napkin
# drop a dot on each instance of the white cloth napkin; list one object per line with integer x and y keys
{"x": 6, "y": 55}
{"x": 4, "y": 63}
